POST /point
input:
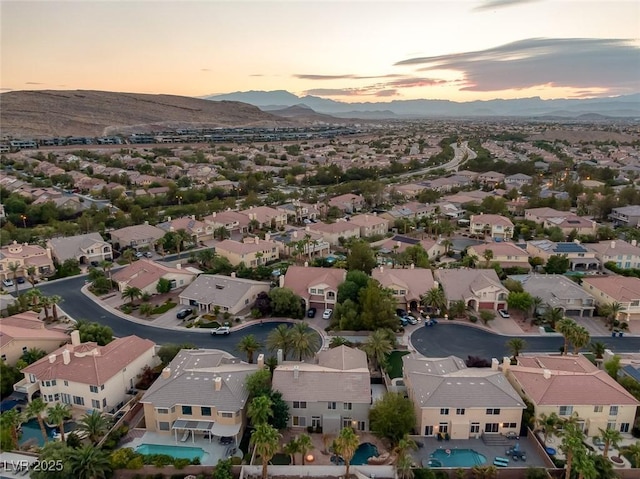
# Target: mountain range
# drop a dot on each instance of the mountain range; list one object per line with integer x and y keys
{"x": 627, "y": 106}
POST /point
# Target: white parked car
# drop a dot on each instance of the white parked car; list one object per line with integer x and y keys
{"x": 221, "y": 330}
{"x": 327, "y": 313}
{"x": 503, "y": 313}
{"x": 7, "y": 282}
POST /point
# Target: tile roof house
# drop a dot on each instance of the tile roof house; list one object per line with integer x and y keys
{"x": 24, "y": 331}
{"x": 478, "y": 288}
{"x": 408, "y": 285}
{"x": 300, "y": 242}
{"x": 517, "y": 181}
{"x": 89, "y": 376}
{"x": 252, "y": 251}
{"x": 495, "y": 226}
{"x": 491, "y": 178}
{"x": 568, "y": 385}
{"x": 565, "y": 220}
{"x": 201, "y": 392}
{"x": 580, "y": 258}
{"x": 349, "y": 203}
{"x": 299, "y": 211}
{"x": 450, "y": 398}
{"x": 136, "y": 236}
{"x": 266, "y": 216}
{"x": 616, "y": 289}
{"x": 197, "y": 230}
{"x": 85, "y": 248}
{"x": 146, "y": 273}
{"x": 24, "y": 255}
{"x": 332, "y": 392}
{"x": 370, "y": 225}
{"x": 400, "y": 243}
{"x": 626, "y": 215}
{"x": 508, "y": 255}
{"x": 624, "y": 255}
{"x": 558, "y": 291}
{"x": 318, "y": 287}
{"x": 332, "y": 232}
{"x": 233, "y": 221}
{"x": 230, "y": 294}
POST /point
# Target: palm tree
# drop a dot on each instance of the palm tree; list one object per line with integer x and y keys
{"x": 249, "y": 345}
{"x": 34, "y": 296}
{"x": 14, "y": 268}
{"x": 548, "y": 424}
{"x": 35, "y": 409}
{"x": 260, "y": 410}
{"x": 45, "y": 302}
{"x": 584, "y": 465}
{"x": 57, "y": 414}
{"x": 579, "y": 338}
{"x": 129, "y": 255}
{"x": 434, "y": 299}
{"x": 106, "y": 267}
{"x": 572, "y": 445}
{"x": 484, "y": 472}
{"x": 457, "y": 309}
{"x": 552, "y": 315}
{"x": 404, "y": 446}
{"x": 536, "y": 302}
{"x": 206, "y": 257}
{"x": 12, "y": 420}
{"x": 305, "y": 342}
{"x": 377, "y": 348}
{"x": 610, "y": 437}
{"x": 516, "y": 346}
{"x": 292, "y": 448}
{"x": 31, "y": 355}
{"x": 95, "y": 424}
{"x": 272, "y": 363}
{"x": 339, "y": 341}
{"x": 54, "y": 301}
{"x": 469, "y": 261}
{"x": 132, "y": 293}
{"x": 31, "y": 274}
{"x": 447, "y": 243}
{"x": 266, "y": 441}
{"x": 404, "y": 467}
{"x": 280, "y": 338}
{"x": 566, "y": 327}
{"x": 611, "y": 311}
{"x": 598, "y": 348}
{"x": 89, "y": 462}
{"x": 345, "y": 446}
{"x": 305, "y": 445}
{"x": 634, "y": 451}
{"x": 221, "y": 233}
{"x": 146, "y": 309}
{"x": 488, "y": 256}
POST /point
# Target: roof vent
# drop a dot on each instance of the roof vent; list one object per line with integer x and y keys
{"x": 218, "y": 383}
{"x": 52, "y": 358}
{"x": 166, "y": 373}
{"x": 547, "y": 374}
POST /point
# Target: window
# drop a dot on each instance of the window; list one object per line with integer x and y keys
{"x": 300, "y": 421}
{"x": 493, "y": 411}
{"x": 428, "y": 430}
{"x": 95, "y": 404}
{"x": 346, "y": 422}
{"x": 362, "y": 426}
{"x": 24, "y": 349}
{"x": 299, "y": 404}
{"x": 102, "y": 386}
{"x": 163, "y": 410}
{"x": 313, "y": 291}
{"x": 624, "y": 427}
{"x": 509, "y": 425}
{"x": 475, "y": 428}
{"x": 444, "y": 411}
{"x": 331, "y": 405}
{"x": 104, "y": 402}
{"x": 347, "y": 406}
{"x": 491, "y": 427}
{"x": 566, "y": 410}
{"x": 65, "y": 398}
{"x": 613, "y": 411}
{"x": 66, "y": 383}
{"x": 78, "y": 400}
{"x": 163, "y": 426}
{"x": 316, "y": 422}
{"x": 597, "y": 408}
{"x": 611, "y": 424}
{"x": 4, "y": 357}
{"x": 320, "y": 290}
{"x": 443, "y": 427}
{"x": 225, "y": 414}
{"x": 460, "y": 411}
{"x": 186, "y": 410}
{"x": 205, "y": 411}
{"x": 94, "y": 389}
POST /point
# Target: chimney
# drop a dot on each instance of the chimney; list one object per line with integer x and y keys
{"x": 307, "y": 228}
{"x": 546, "y": 374}
{"x": 412, "y": 266}
{"x": 381, "y": 269}
{"x": 213, "y": 215}
{"x": 295, "y": 234}
{"x": 267, "y": 237}
{"x": 168, "y": 219}
{"x": 613, "y": 245}
{"x": 178, "y": 266}
{"x": 166, "y": 373}
{"x": 75, "y": 337}
{"x": 146, "y": 223}
{"x": 256, "y": 240}
{"x": 296, "y": 372}
{"x": 233, "y": 274}
{"x": 52, "y": 358}
{"x": 281, "y": 280}
{"x": 261, "y": 361}
{"x": 193, "y": 217}
{"x": 306, "y": 264}
{"x": 279, "y": 356}
{"x": 494, "y": 364}
{"x": 506, "y": 362}
{"x": 634, "y": 243}
{"x": 218, "y": 383}
{"x": 66, "y": 356}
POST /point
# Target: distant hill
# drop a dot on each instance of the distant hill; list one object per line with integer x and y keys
{"x": 621, "y": 107}
{"x": 50, "y": 113}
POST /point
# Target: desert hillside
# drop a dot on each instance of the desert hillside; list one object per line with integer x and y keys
{"x": 50, "y": 113}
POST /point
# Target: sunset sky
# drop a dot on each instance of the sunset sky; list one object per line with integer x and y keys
{"x": 349, "y": 50}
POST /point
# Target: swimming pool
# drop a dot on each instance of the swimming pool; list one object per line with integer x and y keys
{"x": 456, "y": 458}
{"x": 30, "y": 432}
{"x": 363, "y": 453}
{"x": 179, "y": 452}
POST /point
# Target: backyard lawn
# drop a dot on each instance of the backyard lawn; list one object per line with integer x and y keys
{"x": 394, "y": 363}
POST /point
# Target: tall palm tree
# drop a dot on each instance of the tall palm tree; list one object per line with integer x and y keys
{"x": 54, "y": 301}
{"x": 221, "y": 233}
{"x": 549, "y": 424}
{"x": 89, "y": 462}
{"x": 266, "y": 440}
{"x": 132, "y": 293}
{"x": 292, "y": 448}
{"x": 106, "y": 267}
{"x": 572, "y": 445}
{"x": 305, "y": 342}
{"x": 305, "y": 445}
{"x": 584, "y": 465}
{"x": 345, "y": 445}
{"x": 516, "y": 346}
{"x": 280, "y": 338}
{"x": 35, "y": 409}
{"x": 536, "y": 302}
{"x": 435, "y": 299}
{"x": 34, "y": 296}
{"x": 488, "y": 256}
{"x": 206, "y": 257}
{"x": 404, "y": 467}
{"x": 14, "y": 268}
{"x": 11, "y": 420}
{"x": 405, "y": 445}
{"x": 57, "y": 414}
{"x": 447, "y": 244}
{"x": 260, "y": 410}
{"x": 95, "y": 424}
{"x": 31, "y": 355}
{"x": 634, "y": 451}
{"x": 552, "y": 315}
{"x": 377, "y": 348}
{"x": 579, "y": 338}
{"x": 31, "y": 274}
{"x": 566, "y": 327}
{"x": 612, "y": 311}
{"x": 610, "y": 437}
{"x": 249, "y": 345}
{"x": 129, "y": 255}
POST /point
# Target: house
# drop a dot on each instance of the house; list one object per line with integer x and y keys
{"x": 24, "y": 331}
{"x": 507, "y": 255}
{"x": 491, "y": 178}
{"x": 230, "y": 294}
{"x": 348, "y": 203}
{"x": 299, "y": 211}
{"x": 89, "y": 376}
{"x": 625, "y": 216}
{"x": 86, "y": 249}
{"x": 399, "y": 243}
{"x": 300, "y": 242}
{"x": 580, "y": 258}
{"x": 198, "y": 231}
{"x": 616, "y": 289}
{"x": 460, "y": 402}
{"x": 558, "y": 291}
{"x": 411, "y": 210}
{"x": 201, "y": 392}
{"x": 24, "y": 256}
{"x": 624, "y": 255}
{"x": 407, "y": 285}
{"x": 478, "y": 288}
{"x": 370, "y": 225}
{"x": 252, "y": 251}
{"x": 566, "y": 221}
{"x": 318, "y": 287}
{"x": 145, "y": 275}
{"x": 517, "y": 181}
{"x": 266, "y": 217}
{"x": 572, "y": 385}
{"x": 136, "y": 237}
{"x": 233, "y": 221}
{"x": 496, "y": 227}
{"x": 332, "y": 232}
{"x": 330, "y": 393}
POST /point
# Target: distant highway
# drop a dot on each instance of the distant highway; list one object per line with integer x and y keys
{"x": 461, "y": 154}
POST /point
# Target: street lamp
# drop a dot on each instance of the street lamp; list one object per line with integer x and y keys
{"x": 179, "y": 200}
{"x": 24, "y": 220}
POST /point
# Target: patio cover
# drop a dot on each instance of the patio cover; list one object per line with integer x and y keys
{"x": 225, "y": 430}
{"x": 184, "y": 425}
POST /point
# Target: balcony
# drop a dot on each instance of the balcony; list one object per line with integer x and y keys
{"x": 26, "y": 387}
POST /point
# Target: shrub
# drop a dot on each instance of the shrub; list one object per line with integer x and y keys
{"x": 238, "y": 320}
{"x": 181, "y": 463}
{"x": 135, "y": 463}
{"x": 236, "y": 461}
{"x": 126, "y": 309}
{"x": 473, "y": 319}
{"x": 212, "y": 324}
{"x": 163, "y": 308}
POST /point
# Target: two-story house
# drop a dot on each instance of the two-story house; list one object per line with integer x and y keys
{"x": 86, "y": 249}
{"x": 580, "y": 257}
{"x": 145, "y": 275}
{"x": 625, "y": 216}
{"x": 452, "y": 400}
{"x": 233, "y": 221}
{"x": 318, "y": 287}
{"x": 565, "y": 220}
{"x": 507, "y": 255}
{"x": 558, "y": 291}
{"x": 198, "y": 231}
{"x": 496, "y": 227}
{"x": 300, "y": 242}
{"x": 299, "y": 211}
{"x": 370, "y": 225}
{"x": 348, "y": 203}
{"x": 136, "y": 236}
{"x": 332, "y": 232}
{"x": 252, "y": 251}
{"x": 491, "y": 178}
{"x": 330, "y": 393}
{"x": 266, "y": 217}
{"x": 23, "y": 256}
{"x": 407, "y": 285}
{"x": 478, "y": 288}
{"x": 230, "y": 294}
{"x": 624, "y": 255}
{"x": 616, "y": 289}
{"x": 200, "y": 393}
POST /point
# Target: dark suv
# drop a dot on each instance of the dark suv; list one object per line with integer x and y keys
{"x": 184, "y": 313}
{"x": 311, "y": 313}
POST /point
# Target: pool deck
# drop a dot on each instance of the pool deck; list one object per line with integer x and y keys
{"x": 430, "y": 444}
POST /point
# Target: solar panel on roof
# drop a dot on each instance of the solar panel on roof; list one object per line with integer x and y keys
{"x": 569, "y": 248}
{"x": 404, "y": 239}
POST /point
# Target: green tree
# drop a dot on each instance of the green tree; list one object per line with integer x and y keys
{"x": 361, "y": 257}
{"x": 249, "y": 345}
{"x": 280, "y": 338}
{"x": 345, "y": 445}
{"x": 548, "y": 424}
{"x": 31, "y": 355}
{"x": 94, "y": 332}
{"x": 146, "y": 309}
{"x": 613, "y": 367}
{"x": 557, "y": 264}
{"x": 286, "y": 303}
{"x": 572, "y": 445}
{"x": 610, "y": 437}
{"x": 305, "y": 342}
{"x": 280, "y": 409}
{"x": 54, "y": 453}
{"x": 350, "y": 288}
{"x": 89, "y": 462}
{"x": 57, "y": 414}
{"x": 392, "y": 417}
{"x": 633, "y": 450}
{"x": 552, "y": 315}
{"x": 8, "y": 377}
{"x": 258, "y": 383}
{"x": 292, "y": 448}
{"x": 95, "y": 424}
{"x": 167, "y": 352}
{"x": 260, "y": 410}
{"x": 566, "y": 327}
{"x": 266, "y": 441}
{"x": 486, "y": 316}
{"x": 36, "y": 408}
{"x": 163, "y": 286}
{"x": 435, "y": 299}
{"x": 579, "y": 338}
{"x": 132, "y": 293}
{"x": 457, "y": 309}
{"x": 223, "y": 470}
{"x": 516, "y": 346}
{"x": 488, "y": 257}
{"x": 305, "y": 445}
{"x": 377, "y": 346}
{"x": 129, "y": 255}
{"x": 10, "y": 421}
{"x": 520, "y": 301}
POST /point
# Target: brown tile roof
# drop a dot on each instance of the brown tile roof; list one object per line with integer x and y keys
{"x": 416, "y": 281}
{"x": 239, "y": 247}
{"x": 27, "y": 326}
{"x": 491, "y": 220}
{"x": 90, "y": 363}
{"x": 144, "y": 272}
{"x": 500, "y": 249}
{"x": 299, "y": 278}
{"x": 621, "y": 288}
{"x": 464, "y": 283}
{"x": 337, "y": 227}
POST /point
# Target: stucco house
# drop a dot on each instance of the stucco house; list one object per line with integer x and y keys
{"x": 87, "y": 248}
{"x": 507, "y": 255}
{"x": 233, "y": 221}
{"x": 407, "y": 285}
{"x": 318, "y": 287}
{"x": 146, "y": 273}
{"x": 580, "y": 257}
{"x": 478, "y": 288}
{"x": 23, "y": 256}
{"x": 332, "y": 232}
{"x": 230, "y": 294}
{"x": 349, "y": 203}
{"x": 252, "y": 251}
{"x": 558, "y": 291}
{"x": 616, "y": 289}
{"x": 370, "y": 225}
{"x": 266, "y": 216}
{"x": 624, "y": 255}
{"x": 136, "y": 236}
{"x": 495, "y": 226}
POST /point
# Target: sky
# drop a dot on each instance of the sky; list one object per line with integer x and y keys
{"x": 348, "y": 50}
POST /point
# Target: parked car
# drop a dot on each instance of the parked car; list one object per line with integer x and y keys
{"x": 410, "y": 319}
{"x": 184, "y": 313}
{"x": 503, "y": 313}
{"x": 327, "y": 314}
{"x": 7, "y": 282}
{"x": 21, "y": 280}
{"x": 401, "y": 312}
{"x": 148, "y": 254}
{"x": 139, "y": 254}
{"x": 221, "y": 330}
{"x": 311, "y": 313}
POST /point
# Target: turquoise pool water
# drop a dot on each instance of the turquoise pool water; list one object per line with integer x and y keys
{"x": 364, "y": 452}
{"x": 179, "y": 452}
{"x": 456, "y": 458}
{"x": 30, "y": 432}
